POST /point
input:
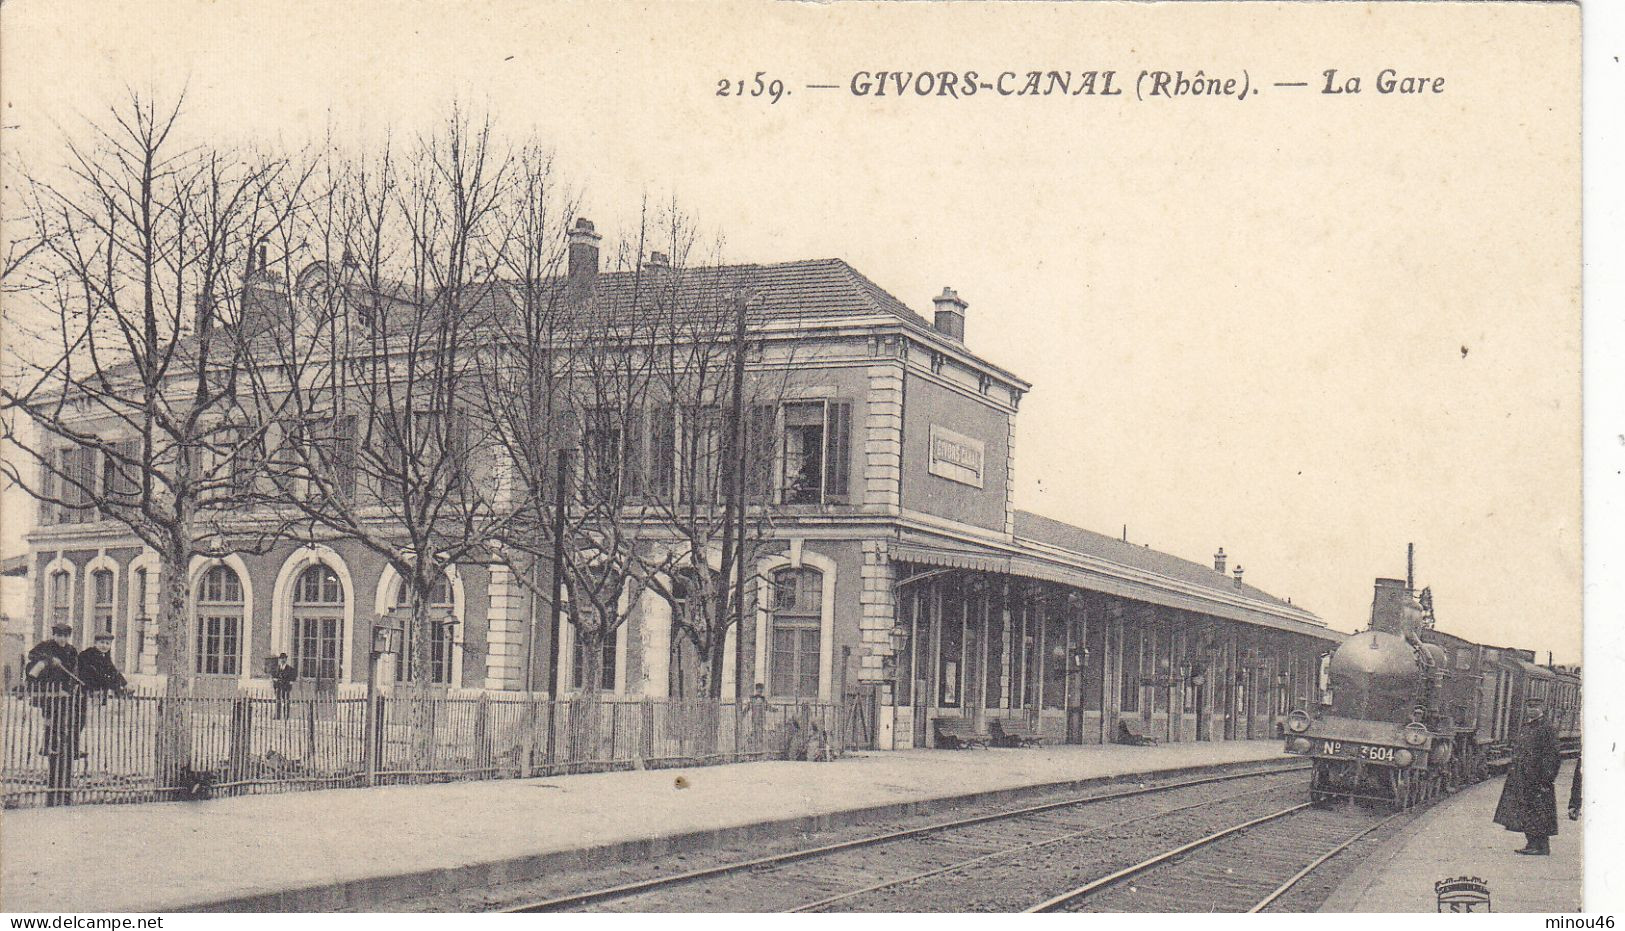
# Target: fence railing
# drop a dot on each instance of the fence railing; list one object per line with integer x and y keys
{"x": 70, "y": 748}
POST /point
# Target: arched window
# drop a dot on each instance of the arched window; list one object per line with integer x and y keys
{"x": 101, "y": 616}
{"x": 61, "y": 597}
{"x": 683, "y": 663}
{"x": 138, "y": 616}
{"x": 318, "y": 620}
{"x": 219, "y": 622}
{"x": 441, "y": 608}
{"x": 798, "y": 603}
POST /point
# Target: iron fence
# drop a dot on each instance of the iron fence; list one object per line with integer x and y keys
{"x": 71, "y": 748}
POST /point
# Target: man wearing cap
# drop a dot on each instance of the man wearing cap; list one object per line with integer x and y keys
{"x": 52, "y": 668}
{"x": 1528, "y": 801}
{"x": 53, "y": 665}
{"x": 97, "y": 670}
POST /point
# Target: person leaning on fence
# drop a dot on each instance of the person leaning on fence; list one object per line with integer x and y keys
{"x": 97, "y": 670}
{"x": 52, "y": 669}
{"x": 282, "y": 676}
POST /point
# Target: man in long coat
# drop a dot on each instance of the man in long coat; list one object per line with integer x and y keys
{"x": 53, "y": 678}
{"x": 1528, "y": 799}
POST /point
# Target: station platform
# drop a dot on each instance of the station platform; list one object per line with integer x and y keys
{"x": 1457, "y": 837}
{"x": 365, "y": 848}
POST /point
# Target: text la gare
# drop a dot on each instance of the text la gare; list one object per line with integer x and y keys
{"x": 1389, "y": 81}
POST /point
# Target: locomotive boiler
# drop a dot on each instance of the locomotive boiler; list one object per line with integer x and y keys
{"x": 1402, "y": 720}
{"x": 1415, "y": 711}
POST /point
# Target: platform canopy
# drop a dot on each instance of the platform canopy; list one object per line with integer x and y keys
{"x": 1045, "y": 560}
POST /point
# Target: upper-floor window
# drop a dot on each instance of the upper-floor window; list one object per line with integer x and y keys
{"x": 120, "y": 470}
{"x": 329, "y": 455}
{"x": 239, "y": 454}
{"x": 609, "y": 445}
{"x": 70, "y": 485}
{"x": 797, "y": 452}
{"x": 419, "y": 450}
{"x": 804, "y": 452}
{"x": 78, "y": 481}
{"x": 817, "y": 450}
{"x": 702, "y": 454}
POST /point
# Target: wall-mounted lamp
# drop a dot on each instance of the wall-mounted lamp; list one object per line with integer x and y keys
{"x": 899, "y": 638}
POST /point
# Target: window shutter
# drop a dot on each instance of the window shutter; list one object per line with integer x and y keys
{"x": 87, "y": 482}
{"x": 389, "y": 432}
{"x": 110, "y": 470}
{"x": 78, "y": 465}
{"x": 759, "y": 447}
{"x": 344, "y": 458}
{"x": 662, "y": 452}
{"x": 49, "y": 487}
{"x": 837, "y": 452}
{"x": 632, "y": 470}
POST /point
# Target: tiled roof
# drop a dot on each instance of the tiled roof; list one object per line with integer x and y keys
{"x": 1045, "y": 530}
{"x": 811, "y": 288}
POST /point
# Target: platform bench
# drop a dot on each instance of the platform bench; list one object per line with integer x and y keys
{"x": 957, "y": 734}
{"x": 1009, "y": 732}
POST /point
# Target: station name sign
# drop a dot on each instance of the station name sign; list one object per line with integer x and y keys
{"x": 956, "y": 457}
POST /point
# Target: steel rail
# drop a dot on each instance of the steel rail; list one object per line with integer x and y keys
{"x": 1009, "y": 851}
{"x": 1090, "y": 888}
{"x": 1315, "y": 864}
{"x": 647, "y": 885}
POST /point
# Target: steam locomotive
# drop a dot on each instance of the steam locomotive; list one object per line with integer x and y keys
{"x": 1414, "y": 712}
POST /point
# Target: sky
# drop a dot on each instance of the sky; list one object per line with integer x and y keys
{"x": 1310, "y": 328}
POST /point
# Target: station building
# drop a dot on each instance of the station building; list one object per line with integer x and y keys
{"x": 903, "y": 573}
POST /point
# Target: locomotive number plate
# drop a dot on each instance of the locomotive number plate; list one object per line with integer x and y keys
{"x": 1357, "y": 751}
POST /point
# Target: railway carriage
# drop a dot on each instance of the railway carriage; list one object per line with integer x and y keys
{"x": 1416, "y": 711}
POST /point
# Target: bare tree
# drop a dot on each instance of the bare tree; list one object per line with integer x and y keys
{"x": 383, "y": 440}
{"x": 125, "y": 405}
{"x": 571, "y": 389}
{"x": 708, "y": 328}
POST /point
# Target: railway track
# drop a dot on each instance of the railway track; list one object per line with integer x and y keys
{"x": 988, "y": 861}
{"x": 1246, "y": 867}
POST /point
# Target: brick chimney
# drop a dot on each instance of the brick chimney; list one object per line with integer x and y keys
{"x": 1237, "y": 573}
{"x": 1218, "y": 561}
{"x": 583, "y": 265}
{"x": 658, "y": 260}
{"x": 950, "y": 320}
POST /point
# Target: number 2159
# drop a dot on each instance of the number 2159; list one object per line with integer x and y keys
{"x": 758, "y": 86}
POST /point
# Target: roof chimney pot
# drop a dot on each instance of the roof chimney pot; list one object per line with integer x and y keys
{"x": 1218, "y": 561}
{"x": 583, "y": 261}
{"x": 1238, "y": 571}
{"x": 950, "y": 319}
{"x": 659, "y": 260}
